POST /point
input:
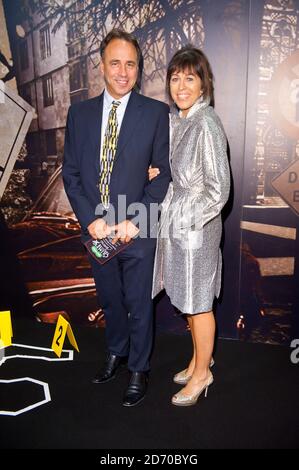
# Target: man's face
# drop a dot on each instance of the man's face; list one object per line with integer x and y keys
{"x": 119, "y": 67}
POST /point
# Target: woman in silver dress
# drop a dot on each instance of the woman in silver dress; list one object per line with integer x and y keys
{"x": 188, "y": 258}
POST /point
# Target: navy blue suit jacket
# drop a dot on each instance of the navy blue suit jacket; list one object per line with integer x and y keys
{"x": 143, "y": 140}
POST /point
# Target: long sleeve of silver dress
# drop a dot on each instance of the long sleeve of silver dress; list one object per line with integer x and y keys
{"x": 188, "y": 259}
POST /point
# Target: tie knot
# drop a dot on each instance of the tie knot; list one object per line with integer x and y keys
{"x": 115, "y": 104}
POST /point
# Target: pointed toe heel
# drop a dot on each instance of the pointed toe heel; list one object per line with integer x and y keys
{"x": 180, "y": 399}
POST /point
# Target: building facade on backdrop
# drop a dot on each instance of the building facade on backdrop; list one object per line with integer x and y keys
{"x": 58, "y": 66}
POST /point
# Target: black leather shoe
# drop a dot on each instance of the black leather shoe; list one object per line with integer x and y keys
{"x": 137, "y": 389}
{"x": 108, "y": 372}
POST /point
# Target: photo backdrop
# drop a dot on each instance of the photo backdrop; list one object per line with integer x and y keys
{"x": 252, "y": 46}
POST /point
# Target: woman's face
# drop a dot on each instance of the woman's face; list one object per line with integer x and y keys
{"x": 185, "y": 89}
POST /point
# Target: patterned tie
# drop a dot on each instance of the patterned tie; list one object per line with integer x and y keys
{"x": 108, "y": 154}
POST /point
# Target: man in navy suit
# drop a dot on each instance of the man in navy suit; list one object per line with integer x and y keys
{"x": 125, "y": 132}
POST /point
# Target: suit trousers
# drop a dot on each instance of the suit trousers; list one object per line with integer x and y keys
{"x": 124, "y": 286}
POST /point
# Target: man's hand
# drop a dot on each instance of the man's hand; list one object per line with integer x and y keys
{"x": 98, "y": 229}
{"x": 124, "y": 231}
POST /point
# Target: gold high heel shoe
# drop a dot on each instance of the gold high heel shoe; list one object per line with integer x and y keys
{"x": 182, "y": 379}
{"x": 179, "y": 399}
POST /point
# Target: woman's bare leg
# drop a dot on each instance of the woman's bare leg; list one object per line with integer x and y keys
{"x": 203, "y": 334}
{"x": 191, "y": 365}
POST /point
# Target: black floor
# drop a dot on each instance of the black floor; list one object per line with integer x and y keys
{"x": 253, "y": 402}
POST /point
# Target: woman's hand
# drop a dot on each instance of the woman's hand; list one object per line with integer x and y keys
{"x": 153, "y": 172}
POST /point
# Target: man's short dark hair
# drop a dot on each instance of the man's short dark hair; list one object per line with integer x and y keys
{"x": 123, "y": 35}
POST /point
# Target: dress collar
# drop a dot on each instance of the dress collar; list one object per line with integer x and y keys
{"x": 200, "y": 104}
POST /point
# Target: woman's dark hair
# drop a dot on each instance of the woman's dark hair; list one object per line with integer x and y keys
{"x": 120, "y": 34}
{"x": 192, "y": 59}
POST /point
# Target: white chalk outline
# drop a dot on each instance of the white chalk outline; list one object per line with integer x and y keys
{"x": 43, "y": 358}
{"x": 30, "y": 379}
{"x": 30, "y": 407}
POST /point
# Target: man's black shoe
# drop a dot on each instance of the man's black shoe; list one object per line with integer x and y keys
{"x": 137, "y": 389}
{"x": 108, "y": 372}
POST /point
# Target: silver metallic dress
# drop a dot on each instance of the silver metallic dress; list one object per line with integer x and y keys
{"x": 188, "y": 258}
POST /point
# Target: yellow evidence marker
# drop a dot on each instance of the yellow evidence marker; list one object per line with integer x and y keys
{"x": 63, "y": 328}
{"x": 5, "y": 328}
